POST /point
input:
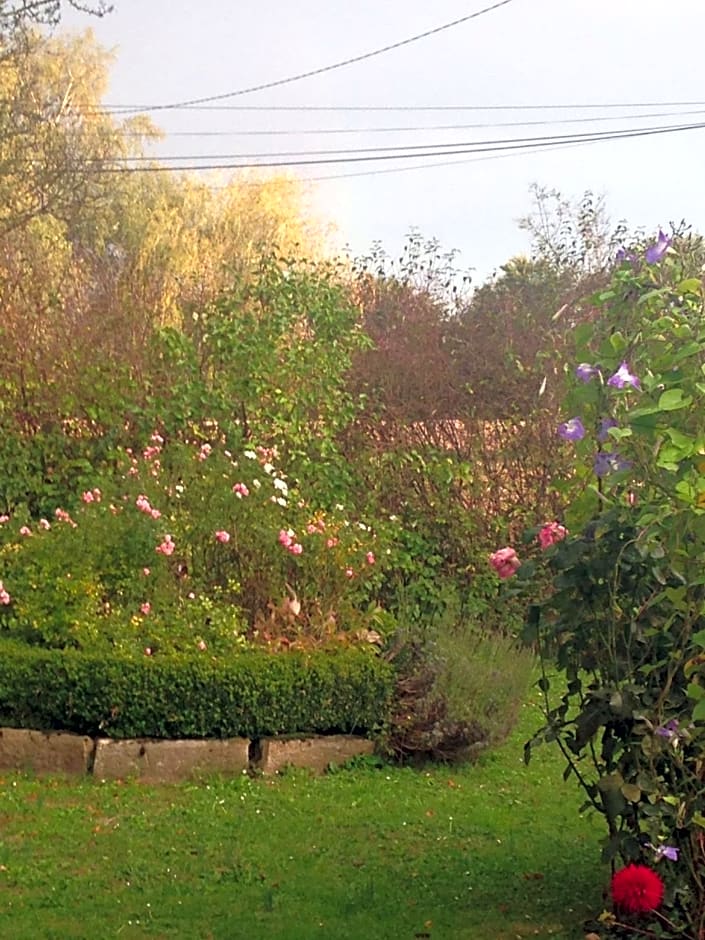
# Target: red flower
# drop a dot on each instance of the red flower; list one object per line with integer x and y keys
{"x": 637, "y": 888}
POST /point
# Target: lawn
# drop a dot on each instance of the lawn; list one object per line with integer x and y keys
{"x": 494, "y": 851}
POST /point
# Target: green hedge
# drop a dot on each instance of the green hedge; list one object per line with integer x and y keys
{"x": 250, "y": 695}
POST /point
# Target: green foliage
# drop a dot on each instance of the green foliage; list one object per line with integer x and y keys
{"x": 185, "y": 696}
{"x": 624, "y": 617}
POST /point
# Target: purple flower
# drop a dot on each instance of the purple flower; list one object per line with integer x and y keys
{"x": 623, "y": 255}
{"x": 571, "y": 430}
{"x": 670, "y": 852}
{"x": 654, "y": 253}
{"x": 623, "y": 377}
{"x": 585, "y": 371}
{"x": 604, "y": 427}
{"x": 669, "y": 730}
{"x": 609, "y": 463}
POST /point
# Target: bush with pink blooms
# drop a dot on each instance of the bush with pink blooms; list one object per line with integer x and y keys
{"x": 192, "y": 546}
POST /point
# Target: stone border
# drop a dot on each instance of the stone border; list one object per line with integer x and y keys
{"x": 156, "y": 761}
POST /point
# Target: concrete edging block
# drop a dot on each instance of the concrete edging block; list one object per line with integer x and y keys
{"x": 157, "y": 761}
{"x": 56, "y": 752}
{"x": 315, "y": 752}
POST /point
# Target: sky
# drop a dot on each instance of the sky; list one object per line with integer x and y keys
{"x": 504, "y": 66}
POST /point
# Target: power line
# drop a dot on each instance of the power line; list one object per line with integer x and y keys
{"x": 326, "y": 68}
{"x": 124, "y": 109}
{"x": 423, "y": 166}
{"x": 484, "y": 125}
{"x": 527, "y": 143}
{"x": 408, "y": 149}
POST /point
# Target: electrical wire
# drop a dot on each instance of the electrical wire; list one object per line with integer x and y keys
{"x": 407, "y": 148}
{"x": 117, "y": 109}
{"x": 517, "y": 144}
{"x": 326, "y": 68}
{"x": 296, "y": 132}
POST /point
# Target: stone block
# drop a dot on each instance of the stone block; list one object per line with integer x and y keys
{"x": 155, "y": 761}
{"x": 315, "y": 752}
{"x": 45, "y": 752}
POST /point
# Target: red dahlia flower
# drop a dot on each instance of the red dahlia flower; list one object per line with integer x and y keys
{"x": 637, "y": 888}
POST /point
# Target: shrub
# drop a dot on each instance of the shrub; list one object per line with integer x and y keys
{"x": 181, "y": 696}
{"x": 624, "y": 616}
{"x": 459, "y": 689}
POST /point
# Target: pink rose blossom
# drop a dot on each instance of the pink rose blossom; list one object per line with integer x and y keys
{"x": 97, "y": 495}
{"x": 166, "y": 547}
{"x": 132, "y": 472}
{"x": 296, "y": 548}
{"x": 370, "y": 557}
{"x": 87, "y": 497}
{"x": 148, "y": 651}
{"x": 146, "y": 572}
{"x": 4, "y": 596}
{"x": 3, "y": 519}
{"x": 331, "y": 543}
{"x": 311, "y": 529}
{"x": 145, "y": 608}
{"x": 551, "y": 533}
{"x": 25, "y": 530}
{"x": 155, "y": 514}
{"x": 222, "y": 536}
{"x": 240, "y": 490}
{"x": 505, "y": 562}
{"x": 157, "y": 439}
{"x": 44, "y": 524}
{"x": 286, "y": 537}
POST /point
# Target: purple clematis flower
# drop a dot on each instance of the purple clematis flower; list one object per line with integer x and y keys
{"x": 670, "y": 852}
{"x": 571, "y": 430}
{"x": 604, "y": 427}
{"x": 585, "y": 371}
{"x": 605, "y": 464}
{"x": 623, "y": 255}
{"x": 654, "y": 253}
{"x": 623, "y": 377}
{"x": 669, "y": 730}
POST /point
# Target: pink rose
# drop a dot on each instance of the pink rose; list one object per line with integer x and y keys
{"x": 145, "y": 608}
{"x": 505, "y": 562}
{"x": 551, "y": 533}
{"x": 370, "y": 558}
{"x": 222, "y": 536}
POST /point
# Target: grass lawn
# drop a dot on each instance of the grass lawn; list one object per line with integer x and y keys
{"x": 494, "y": 851}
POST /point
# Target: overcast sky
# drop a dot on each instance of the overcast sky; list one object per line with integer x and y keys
{"x": 526, "y": 53}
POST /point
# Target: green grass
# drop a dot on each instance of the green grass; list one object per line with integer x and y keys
{"x": 494, "y": 851}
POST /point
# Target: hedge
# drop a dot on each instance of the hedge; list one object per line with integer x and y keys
{"x": 249, "y": 695}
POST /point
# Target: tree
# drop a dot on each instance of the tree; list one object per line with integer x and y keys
{"x": 16, "y": 16}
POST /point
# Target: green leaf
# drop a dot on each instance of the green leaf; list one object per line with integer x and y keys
{"x": 691, "y": 285}
{"x": 699, "y": 711}
{"x": 673, "y": 399}
{"x": 631, "y": 792}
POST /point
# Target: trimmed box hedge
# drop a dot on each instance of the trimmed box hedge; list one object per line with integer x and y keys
{"x": 251, "y": 695}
